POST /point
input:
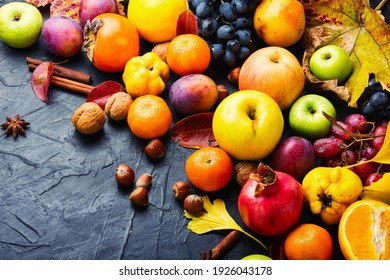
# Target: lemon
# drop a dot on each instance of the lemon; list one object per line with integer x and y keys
{"x": 156, "y": 19}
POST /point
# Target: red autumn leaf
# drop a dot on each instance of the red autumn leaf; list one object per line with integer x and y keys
{"x": 186, "y": 23}
{"x": 194, "y": 131}
{"x": 59, "y": 7}
{"x": 40, "y": 80}
{"x": 102, "y": 92}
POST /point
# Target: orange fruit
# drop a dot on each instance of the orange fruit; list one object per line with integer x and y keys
{"x": 188, "y": 54}
{"x": 364, "y": 231}
{"x": 149, "y": 117}
{"x": 209, "y": 169}
{"x": 156, "y": 19}
{"x": 308, "y": 242}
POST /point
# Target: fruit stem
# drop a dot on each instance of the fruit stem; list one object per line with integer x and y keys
{"x": 380, "y": 5}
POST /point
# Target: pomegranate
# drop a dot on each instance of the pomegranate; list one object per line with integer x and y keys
{"x": 270, "y": 202}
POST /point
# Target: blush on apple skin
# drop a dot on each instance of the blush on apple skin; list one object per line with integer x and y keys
{"x": 62, "y": 36}
{"x": 89, "y": 9}
{"x": 194, "y": 93}
{"x": 294, "y": 156}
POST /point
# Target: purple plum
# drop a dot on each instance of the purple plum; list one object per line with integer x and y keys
{"x": 62, "y": 35}
{"x": 194, "y": 93}
{"x": 294, "y": 156}
{"x": 89, "y": 9}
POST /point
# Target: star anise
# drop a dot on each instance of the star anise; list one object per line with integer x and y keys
{"x": 15, "y": 126}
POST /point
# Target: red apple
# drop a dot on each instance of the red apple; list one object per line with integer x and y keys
{"x": 274, "y": 71}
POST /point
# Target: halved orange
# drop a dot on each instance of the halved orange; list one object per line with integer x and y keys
{"x": 364, "y": 231}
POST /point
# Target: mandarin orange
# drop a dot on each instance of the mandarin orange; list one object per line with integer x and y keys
{"x": 209, "y": 169}
{"x": 308, "y": 242}
{"x": 188, "y": 54}
{"x": 149, "y": 117}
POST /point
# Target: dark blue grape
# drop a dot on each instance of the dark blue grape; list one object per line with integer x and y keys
{"x": 384, "y": 113}
{"x": 208, "y": 27}
{"x": 229, "y": 58}
{"x": 217, "y": 51}
{"x": 242, "y": 23}
{"x": 194, "y": 3}
{"x": 244, "y": 37}
{"x": 203, "y": 10}
{"x": 227, "y": 11}
{"x": 225, "y": 32}
{"x": 379, "y": 100}
{"x": 233, "y": 45}
{"x": 244, "y": 53}
{"x": 240, "y": 6}
{"x": 369, "y": 111}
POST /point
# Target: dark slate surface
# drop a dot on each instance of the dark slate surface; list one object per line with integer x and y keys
{"x": 58, "y": 195}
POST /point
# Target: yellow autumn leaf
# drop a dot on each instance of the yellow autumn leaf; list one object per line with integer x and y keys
{"x": 360, "y": 30}
{"x": 216, "y": 217}
{"x": 379, "y": 190}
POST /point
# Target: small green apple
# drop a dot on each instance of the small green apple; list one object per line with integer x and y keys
{"x": 248, "y": 124}
{"x": 20, "y": 24}
{"x": 306, "y": 118}
{"x": 256, "y": 257}
{"x": 330, "y": 62}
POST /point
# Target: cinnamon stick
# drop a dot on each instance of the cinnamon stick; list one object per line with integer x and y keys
{"x": 222, "y": 247}
{"x": 71, "y": 85}
{"x": 61, "y": 71}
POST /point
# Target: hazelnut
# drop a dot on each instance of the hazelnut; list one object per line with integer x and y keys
{"x": 242, "y": 170}
{"x": 143, "y": 181}
{"x": 139, "y": 197}
{"x": 181, "y": 190}
{"x": 155, "y": 149}
{"x": 193, "y": 203}
{"x": 161, "y": 50}
{"x": 124, "y": 175}
{"x": 222, "y": 93}
{"x": 234, "y": 75}
{"x": 89, "y": 118}
{"x": 118, "y": 105}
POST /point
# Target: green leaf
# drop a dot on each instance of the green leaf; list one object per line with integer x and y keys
{"x": 360, "y": 30}
{"x": 216, "y": 217}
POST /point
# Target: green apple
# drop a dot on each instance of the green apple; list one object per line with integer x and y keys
{"x": 256, "y": 257}
{"x": 248, "y": 125}
{"x": 20, "y": 24}
{"x": 330, "y": 62}
{"x": 306, "y": 117}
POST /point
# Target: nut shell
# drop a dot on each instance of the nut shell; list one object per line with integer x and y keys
{"x": 124, "y": 175}
{"x": 139, "y": 197}
{"x": 242, "y": 170}
{"x": 193, "y": 204}
{"x": 118, "y": 105}
{"x": 89, "y": 118}
{"x": 181, "y": 190}
{"x": 155, "y": 149}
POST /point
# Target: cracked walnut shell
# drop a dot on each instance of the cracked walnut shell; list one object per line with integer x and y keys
{"x": 118, "y": 105}
{"x": 89, "y": 118}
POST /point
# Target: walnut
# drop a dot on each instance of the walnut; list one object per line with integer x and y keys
{"x": 89, "y": 118}
{"x": 118, "y": 105}
{"x": 242, "y": 170}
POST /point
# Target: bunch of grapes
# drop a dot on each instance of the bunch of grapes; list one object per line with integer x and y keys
{"x": 374, "y": 102}
{"x": 351, "y": 141}
{"x": 227, "y": 26}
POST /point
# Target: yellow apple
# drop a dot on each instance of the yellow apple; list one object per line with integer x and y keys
{"x": 274, "y": 71}
{"x": 248, "y": 125}
{"x": 279, "y": 22}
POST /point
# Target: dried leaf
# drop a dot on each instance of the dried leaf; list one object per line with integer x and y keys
{"x": 194, "y": 131}
{"x": 59, "y": 7}
{"x": 379, "y": 190}
{"x": 40, "y": 80}
{"x": 186, "y": 23}
{"x": 216, "y": 217}
{"x": 120, "y": 7}
{"x": 102, "y": 92}
{"x": 360, "y": 30}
